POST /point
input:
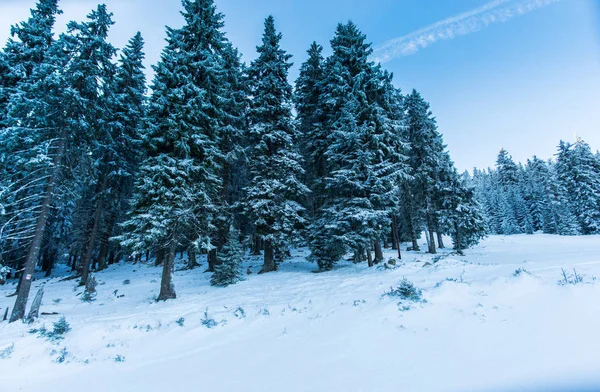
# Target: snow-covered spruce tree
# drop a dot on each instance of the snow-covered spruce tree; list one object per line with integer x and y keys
{"x": 461, "y": 213}
{"x": 92, "y": 71}
{"x": 35, "y": 133}
{"x": 233, "y": 104}
{"x": 273, "y": 194}
{"x": 26, "y": 48}
{"x": 127, "y": 111}
{"x": 179, "y": 181}
{"x": 579, "y": 174}
{"x": 425, "y": 159}
{"x": 229, "y": 269}
{"x": 312, "y": 135}
{"x": 362, "y": 150}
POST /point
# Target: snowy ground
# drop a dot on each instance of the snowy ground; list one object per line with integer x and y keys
{"x": 483, "y": 330}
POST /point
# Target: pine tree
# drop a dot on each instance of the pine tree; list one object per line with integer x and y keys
{"x": 179, "y": 181}
{"x": 35, "y": 138}
{"x": 579, "y": 174}
{"x": 461, "y": 213}
{"x": 310, "y": 122}
{"x": 122, "y": 156}
{"x": 272, "y": 197}
{"x": 363, "y": 152}
{"x": 425, "y": 159}
{"x": 229, "y": 270}
{"x": 92, "y": 71}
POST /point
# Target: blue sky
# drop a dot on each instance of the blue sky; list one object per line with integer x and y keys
{"x": 522, "y": 83}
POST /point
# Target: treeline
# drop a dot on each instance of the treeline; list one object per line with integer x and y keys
{"x": 560, "y": 196}
{"x": 219, "y": 156}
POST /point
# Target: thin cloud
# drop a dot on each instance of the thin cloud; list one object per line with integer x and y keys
{"x": 496, "y": 11}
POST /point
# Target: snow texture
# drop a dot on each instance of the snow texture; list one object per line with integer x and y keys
{"x": 496, "y": 319}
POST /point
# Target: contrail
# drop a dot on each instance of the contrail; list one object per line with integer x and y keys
{"x": 496, "y": 11}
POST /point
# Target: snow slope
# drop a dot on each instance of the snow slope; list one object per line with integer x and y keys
{"x": 481, "y": 328}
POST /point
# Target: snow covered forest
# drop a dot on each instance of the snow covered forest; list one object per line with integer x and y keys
{"x": 219, "y": 157}
{"x": 217, "y": 171}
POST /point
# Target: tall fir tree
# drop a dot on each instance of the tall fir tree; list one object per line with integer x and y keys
{"x": 363, "y": 153}
{"x": 180, "y": 179}
{"x": 34, "y": 132}
{"x": 275, "y": 187}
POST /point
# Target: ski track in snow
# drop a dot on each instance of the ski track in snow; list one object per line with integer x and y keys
{"x": 334, "y": 331}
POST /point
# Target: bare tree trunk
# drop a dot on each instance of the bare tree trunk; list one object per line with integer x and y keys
{"x": 212, "y": 260}
{"x": 18, "y": 311}
{"x": 393, "y": 228}
{"x": 269, "y": 261}
{"x": 378, "y": 251}
{"x": 457, "y": 245}
{"x": 396, "y": 235}
{"x": 160, "y": 257}
{"x": 192, "y": 263}
{"x": 430, "y": 237}
{"x": 34, "y": 312}
{"x": 440, "y": 240}
{"x": 167, "y": 290}
{"x": 256, "y": 248}
{"x": 369, "y": 257}
{"x": 86, "y": 261}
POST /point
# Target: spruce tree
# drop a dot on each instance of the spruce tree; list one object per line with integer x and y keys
{"x": 425, "y": 159}
{"x": 363, "y": 152}
{"x": 275, "y": 189}
{"x": 179, "y": 180}
{"x": 229, "y": 269}
{"x": 579, "y": 174}
{"x": 35, "y": 131}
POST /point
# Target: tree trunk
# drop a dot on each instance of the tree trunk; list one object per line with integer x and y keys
{"x": 160, "y": 256}
{"x": 393, "y": 232}
{"x": 192, "y": 263}
{"x": 18, "y": 311}
{"x": 269, "y": 261}
{"x": 440, "y": 240}
{"x": 457, "y": 245}
{"x": 378, "y": 251}
{"x": 105, "y": 242}
{"x": 256, "y": 249}
{"x": 369, "y": 257}
{"x": 212, "y": 260}
{"x": 430, "y": 238}
{"x": 34, "y": 312}
{"x": 167, "y": 290}
{"x": 86, "y": 261}
{"x": 103, "y": 253}
{"x": 396, "y": 235}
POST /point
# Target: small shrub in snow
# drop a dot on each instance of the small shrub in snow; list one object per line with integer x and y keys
{"x": 567, "y": 278}
{"x": 406, "y": 291}
{"x": 521, "y": 271}
{"x": 7, "y": 352}
{"x": 239, "y": 313}
{"x": 89, "y": 294}
{"x": 62, "y": 355}
{"x": 207, "y": 321}
{"x": 119, "y": 358}
{"x": 180, "y": 321}
{"x": 358, "y": 302}
{"x": 57, "y": 300}
{"x": 126, "y": 281}
{"x": 60, "y": 328}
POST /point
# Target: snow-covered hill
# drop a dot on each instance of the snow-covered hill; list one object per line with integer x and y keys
{"x": 480, "y": 326}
